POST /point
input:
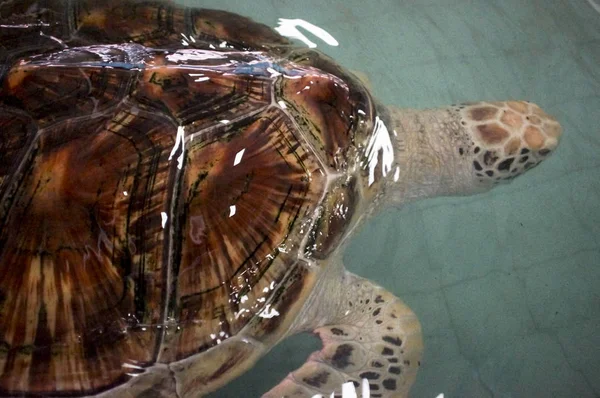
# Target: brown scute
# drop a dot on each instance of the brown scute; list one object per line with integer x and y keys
{"x": 325, "y": 110}
{"x": 80, "y": 261}
{"x": 235, "y": 29}
{"x": 234, "y": 218}
{"x": 54, "y": 93}
{"x": 90, "y": 267}
{"x": 15, "y": 78}
{"x": 26, "y": 15}
{"x": 492, "y": 133}
{"x": 153, "y": 24}
{"x": 482, "y": 113}
{"x": 41, "y": 358}
{"x": 161, "y": 25}
{"x": 204, "y": 104}
{"x": 16, "y": 135}
{"x": 355, "y": 96}
{"x": 287, "y": 299}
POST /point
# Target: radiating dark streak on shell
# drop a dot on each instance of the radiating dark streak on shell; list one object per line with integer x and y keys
{"x": 106, "y": 118}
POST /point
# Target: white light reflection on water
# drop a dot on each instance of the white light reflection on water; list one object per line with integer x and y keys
{"x": 199, "y": 77}
{"x": 348, "y": 390}
{"x": 273, "y": 72}
{"x": 238, "y": 157}
{"x": 268, "y": 312}
{"x": 289, "y": 28}
{"x": 135, "y": 370}
{"x": 380, "y": 140}
{"x": 194, "y": 55}
{"x": 179, "y": 141}
{"x": 365, "y": 388}
{"x": 184, "y": 41}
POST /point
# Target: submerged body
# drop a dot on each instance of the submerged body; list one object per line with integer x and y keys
{"x": 176, "y": 186}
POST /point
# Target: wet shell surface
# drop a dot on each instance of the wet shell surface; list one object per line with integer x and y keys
{"x": 164, "y": 172}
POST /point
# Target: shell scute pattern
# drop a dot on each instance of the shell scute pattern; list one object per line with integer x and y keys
{"x": 15, "y": 140}
{"x": 50, "y": 94}
{"x": 242, "y": 194}
{"x": 157, "y": 196}
{"x": 69, "y": 237}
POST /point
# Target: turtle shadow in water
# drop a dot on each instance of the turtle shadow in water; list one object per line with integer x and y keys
{"x": 288, "y": 356}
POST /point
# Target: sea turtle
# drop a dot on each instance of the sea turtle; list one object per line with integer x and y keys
{"x": 176, "y": 188}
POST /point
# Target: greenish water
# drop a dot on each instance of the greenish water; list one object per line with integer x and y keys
{"x": 506, "y": 284}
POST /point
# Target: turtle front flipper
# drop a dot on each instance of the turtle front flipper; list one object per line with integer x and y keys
{"x": 371, "y": 334}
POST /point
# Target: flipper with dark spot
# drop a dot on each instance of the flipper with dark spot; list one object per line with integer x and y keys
{"x": 356, "y": 346}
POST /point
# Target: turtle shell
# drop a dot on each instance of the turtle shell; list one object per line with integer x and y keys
{"x": 162, "y": 172}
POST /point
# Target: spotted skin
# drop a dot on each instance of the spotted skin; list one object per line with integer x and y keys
{"x": 378, "y": 339}
{"x": 509, "y": 137}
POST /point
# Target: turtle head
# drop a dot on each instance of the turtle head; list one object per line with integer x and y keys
{"x": 468, "y": 148}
